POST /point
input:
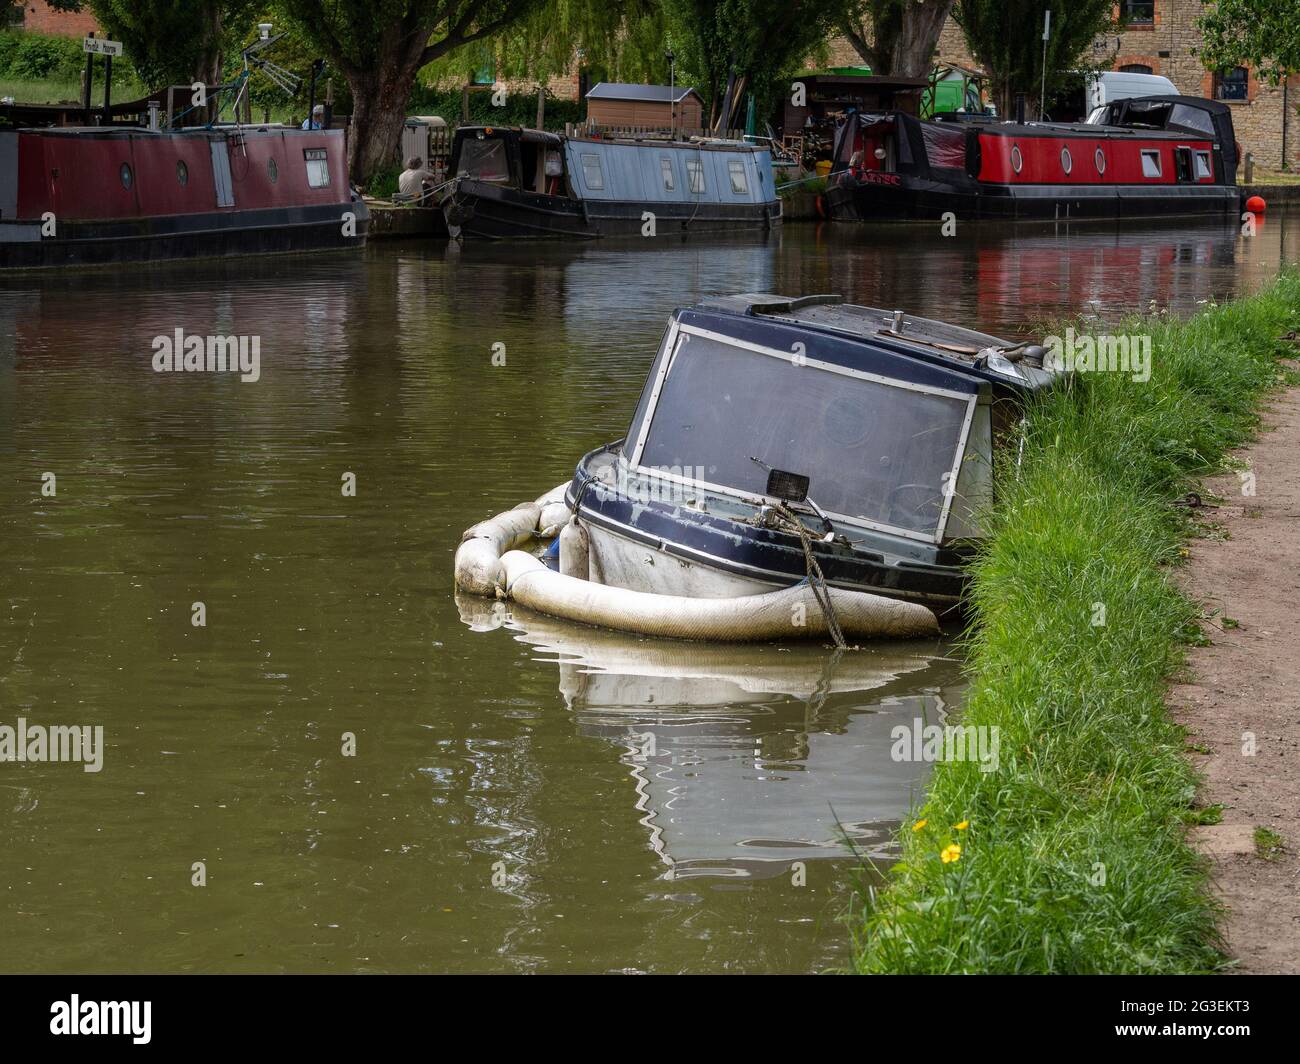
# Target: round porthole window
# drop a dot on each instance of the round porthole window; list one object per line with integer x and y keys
{"x": 125, "y": 175}
{"x": 1100, "y": 159}
{"x": 1067, "y": 162}
{"x": 272, "y": 171}
{"x": 1017, "y": 160}
{"x": 182, "y": 172}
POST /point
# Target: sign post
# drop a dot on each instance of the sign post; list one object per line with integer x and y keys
{"x": 94, "y": 46}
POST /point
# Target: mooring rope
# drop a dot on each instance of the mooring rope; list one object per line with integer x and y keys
{"x": 816, "y": 580}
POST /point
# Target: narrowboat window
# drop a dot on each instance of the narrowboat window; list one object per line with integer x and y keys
{"x": 1017, "y": 160}
{"x": 695, "y": 175}
{"x": 272, "y": 170}
{"x": 484, "y": 160}
{"x": 1151, "y": 163}
{"x": 666, "y": 168}
{"x": 737, "y": 171}
{"x": 1067, "y": 162}
{"x": 1203, "y": 168}
{"x": 1099, "y": 157}
{"x": 592, "y": 175}
{"x": 125, "y": 174}
{"x": 1196, "y": 118}
{"x": 182, "y": 172}
{"x": 874, "y": 451}
{"x": 318, "y": 167}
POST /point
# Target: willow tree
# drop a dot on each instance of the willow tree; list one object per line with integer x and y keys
{"x": 1006, "y": 38}
{"x": 379, "y": 46}
{"x": 896, "y": 37}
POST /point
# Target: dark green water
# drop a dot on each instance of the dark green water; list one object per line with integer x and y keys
{"x": 503, "y": 810}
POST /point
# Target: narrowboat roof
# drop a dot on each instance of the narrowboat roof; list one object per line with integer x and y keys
{"x": 931, "y": 346}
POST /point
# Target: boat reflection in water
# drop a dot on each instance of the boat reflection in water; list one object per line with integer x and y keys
{"x": 746, "y": 759}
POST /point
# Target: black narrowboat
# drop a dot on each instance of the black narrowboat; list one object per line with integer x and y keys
{"x": 512, "y": 183}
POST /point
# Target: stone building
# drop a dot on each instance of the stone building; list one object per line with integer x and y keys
{"x": 1161, "y": 38}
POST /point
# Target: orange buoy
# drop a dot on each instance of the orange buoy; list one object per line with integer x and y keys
{"x": 1256, "y": 205}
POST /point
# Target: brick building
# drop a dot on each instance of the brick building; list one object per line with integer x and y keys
{"x": 1161, "y": 38}
{"x": 38, "y": 17}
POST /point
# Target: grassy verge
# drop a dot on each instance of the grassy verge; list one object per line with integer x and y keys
{"x": 1072, "y": 855}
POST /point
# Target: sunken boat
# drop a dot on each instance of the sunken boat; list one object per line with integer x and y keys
{"x": 103, "y": 195}
{"x": 513, "y": 183}
{"x": 1144, "y": 157}
{"x": 796, "y": 467}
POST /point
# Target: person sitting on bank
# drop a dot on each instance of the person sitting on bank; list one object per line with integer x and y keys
{"x": 317, "y": 119}
{"x": 416, "y": 181}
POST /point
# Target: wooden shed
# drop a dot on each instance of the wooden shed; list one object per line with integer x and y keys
{"x": 645, "y": 106}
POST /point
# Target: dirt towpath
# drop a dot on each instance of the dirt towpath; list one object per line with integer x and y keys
{"x": 1247, "y": 683}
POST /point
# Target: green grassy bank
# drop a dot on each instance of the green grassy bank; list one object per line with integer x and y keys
{"x": 1072, "y": 853}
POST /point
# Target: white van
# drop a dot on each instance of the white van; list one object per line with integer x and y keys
{"x": 1086, "y": 94}
{"x": 1111, "y": 85}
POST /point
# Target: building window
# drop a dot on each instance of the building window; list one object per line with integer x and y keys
{"x": 272, "y": 170}
{"x": 1138, "y": 13}
{"x": 318, "y": 167}
{"x": 1099, "y": 158}
{"x": 182, "y": 172}
{"x": 125, "y": 174}
{"x": 1136, "y": 68}
{"x": 737, "y": 171}
{"x": 1017, "y": 160}
{"x": 1203, "y": 168}
{"x": 592, "y": 175}
{"x": 695, "y": 175}
{"x": 666, "y": 168}
{"x": 1151, "y": 163}
{"x": 1232, "y": 84}
{"x": 1067, "y": 162}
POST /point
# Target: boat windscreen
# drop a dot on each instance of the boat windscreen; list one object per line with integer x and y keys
{"x": 872, "y": 451}
{"x": 484, "y": 160}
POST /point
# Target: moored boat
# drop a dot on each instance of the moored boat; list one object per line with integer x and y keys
{"x": 1146, "y": 157}
{"x": 99, "y": 195}
{"x": 520, "y": 183}
{"x": 828, "y": 460}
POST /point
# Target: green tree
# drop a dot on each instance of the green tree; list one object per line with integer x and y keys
{"x": 1006, "y": 38}
{"x": 896, "y": 37}
{"x": 379, "y": 47}
{"x": 1263, "y": 34}
{"x": 173, "y": 41}
{"x": 729, "y": 47}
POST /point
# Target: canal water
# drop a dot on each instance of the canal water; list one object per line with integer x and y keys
{"x": 524, "y": 795}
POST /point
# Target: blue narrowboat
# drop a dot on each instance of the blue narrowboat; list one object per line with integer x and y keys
{"x": 510, "y": 183}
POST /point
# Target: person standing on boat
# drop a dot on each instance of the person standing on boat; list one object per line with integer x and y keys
{"x": 316, "y": 119}
{"x": 416, "y": 181}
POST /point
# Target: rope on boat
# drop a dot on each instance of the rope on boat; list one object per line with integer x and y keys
{"x": 815, "y": 578}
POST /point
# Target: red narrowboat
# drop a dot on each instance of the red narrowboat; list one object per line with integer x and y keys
{"x": 1147, "y": 157}
{"x": 103, "y": 195}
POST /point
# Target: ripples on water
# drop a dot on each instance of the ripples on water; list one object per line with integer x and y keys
{"x": 482, "y": 736}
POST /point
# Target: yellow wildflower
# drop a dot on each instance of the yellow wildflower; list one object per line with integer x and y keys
{"x": 962, "y": 826}
{"x": 919, "y": 825}
{"x": 951, "y": 852}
